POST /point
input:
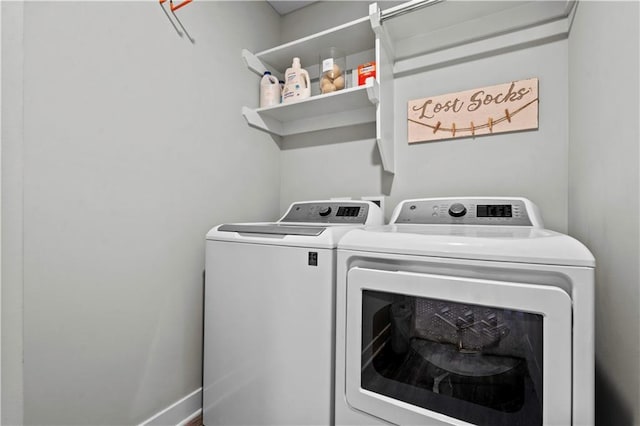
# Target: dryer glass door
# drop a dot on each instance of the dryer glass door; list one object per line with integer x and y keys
{"x": 459, "y": 350}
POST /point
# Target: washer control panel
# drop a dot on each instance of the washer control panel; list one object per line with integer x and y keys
{"x": 468, "y": 211}
{"x": 348, "y": 212}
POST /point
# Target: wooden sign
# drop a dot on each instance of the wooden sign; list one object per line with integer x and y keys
{"x": 496, "y": 109}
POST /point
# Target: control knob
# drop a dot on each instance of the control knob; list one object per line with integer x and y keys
{"x": 325, "y": 211}
{"x": 457, "y": 210}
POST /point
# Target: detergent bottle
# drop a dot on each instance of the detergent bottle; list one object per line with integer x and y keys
{"x": 297, "y": 85}
{"x": 269, "y": 90}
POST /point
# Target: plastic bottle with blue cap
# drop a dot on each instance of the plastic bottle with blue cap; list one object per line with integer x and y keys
{"x": 270, "y": 92}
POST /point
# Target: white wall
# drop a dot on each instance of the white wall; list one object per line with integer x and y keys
{"x": 532, "y": 164}
{"x": 133, "y": 147}
{"x": 604, "y": 191}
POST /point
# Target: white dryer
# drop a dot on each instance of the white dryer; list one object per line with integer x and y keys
{"x": 269, "y": 315}
{"x": 464, "y": 311}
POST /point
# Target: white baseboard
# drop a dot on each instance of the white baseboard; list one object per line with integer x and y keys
{"x": 178, "y": 413}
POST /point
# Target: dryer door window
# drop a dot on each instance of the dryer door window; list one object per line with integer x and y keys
{"x": 476, "y": 363}
{"x": 453, "y": 348}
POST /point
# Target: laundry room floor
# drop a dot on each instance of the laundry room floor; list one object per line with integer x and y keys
{"x": 195, "y": 422}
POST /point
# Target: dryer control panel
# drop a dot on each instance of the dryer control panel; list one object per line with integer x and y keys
{"x": 468, "y": 211}
{"x": 338, "y": 212}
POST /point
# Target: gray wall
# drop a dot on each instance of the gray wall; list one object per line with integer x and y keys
{"x": 604, "y": 191}
{"x": 532, "y": 164}
{"x": 133, "y": 147}
{"x": 12, "y": 131}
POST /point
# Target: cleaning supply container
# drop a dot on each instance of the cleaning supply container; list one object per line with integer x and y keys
{"x": 297, "y": 84}
{"x": 270, "y": 91}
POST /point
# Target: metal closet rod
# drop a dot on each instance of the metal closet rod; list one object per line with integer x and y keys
{"x": 412, "y": 7}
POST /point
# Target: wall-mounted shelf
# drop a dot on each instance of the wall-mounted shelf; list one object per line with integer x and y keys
{"x": 353, "y": 37}
{"x": 346, "y": 107}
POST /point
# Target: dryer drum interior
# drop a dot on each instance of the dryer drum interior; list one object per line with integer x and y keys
{"x": 475, "y": 363}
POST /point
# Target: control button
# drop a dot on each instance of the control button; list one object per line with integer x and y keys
{"x": 457, "y": 210}
{"x": 325, "y": 211}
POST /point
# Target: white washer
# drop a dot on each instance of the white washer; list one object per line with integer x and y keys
{"x": 269, "y": 315}
{"x": 464, "y": 311}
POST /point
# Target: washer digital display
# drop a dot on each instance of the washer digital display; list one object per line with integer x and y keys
{"x": 348, "y": 211}
{"x": 493, "y": 210}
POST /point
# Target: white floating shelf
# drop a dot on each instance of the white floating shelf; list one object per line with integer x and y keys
{"x": 353, "y": 106}
{"x": 346, "y": 107}
{"x": 352, "y": 37}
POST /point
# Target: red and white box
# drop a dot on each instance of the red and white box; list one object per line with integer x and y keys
{"x": 365, "y": 71}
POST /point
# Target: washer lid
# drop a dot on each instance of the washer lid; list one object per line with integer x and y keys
{"x": 318, "y": 224}
{"x": 496, "y": 243}
{"x": 273, "y": 229}
{"x": 278, "y": 234}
